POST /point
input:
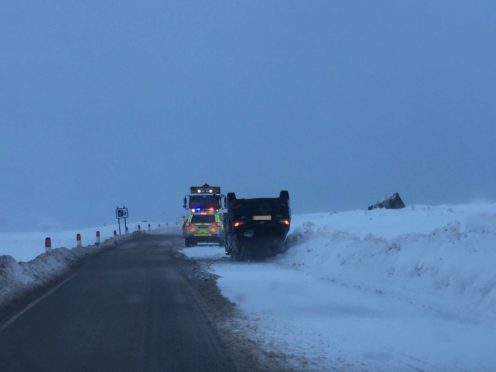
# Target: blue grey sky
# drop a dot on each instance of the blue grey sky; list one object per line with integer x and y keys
{"x": 340, "y": 102}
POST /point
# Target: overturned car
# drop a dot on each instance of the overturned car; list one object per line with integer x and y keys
{"x": 256, "y": 227}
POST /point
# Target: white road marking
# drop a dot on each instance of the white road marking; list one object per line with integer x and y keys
{"x": 9, "y": 322}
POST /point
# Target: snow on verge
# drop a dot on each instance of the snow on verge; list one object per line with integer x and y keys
{"x": 17, "y": 278}
{"x": 450, "y": 267}
{"x": 383, "y": 290}
{"x": 25, "y": 246}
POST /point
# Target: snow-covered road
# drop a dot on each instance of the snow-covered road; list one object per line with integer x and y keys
{"x": 384, "y": 290}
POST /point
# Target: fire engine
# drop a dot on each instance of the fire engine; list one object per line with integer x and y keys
{"x": 203, "y": 224}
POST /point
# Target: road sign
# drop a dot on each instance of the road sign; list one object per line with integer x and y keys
{"x": 121, "y": 213}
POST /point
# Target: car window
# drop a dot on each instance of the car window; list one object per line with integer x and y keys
{"x": 199, "y": 218}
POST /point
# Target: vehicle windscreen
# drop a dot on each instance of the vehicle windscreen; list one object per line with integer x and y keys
{"x": 198, "y": 218}
{"x": 204, "y": 201}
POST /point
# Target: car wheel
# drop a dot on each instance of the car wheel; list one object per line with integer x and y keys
{"x": 284, "y": 195}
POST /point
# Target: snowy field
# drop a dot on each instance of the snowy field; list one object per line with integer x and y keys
{"x": 27, "y": 246}
{"x": 412, "y": 289}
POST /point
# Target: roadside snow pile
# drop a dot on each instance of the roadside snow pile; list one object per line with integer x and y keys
{"x": 26, "y": 246}
{"x": 409, "y": 289}
{"x": 17, "y": 278}
{"x": 452, "y": 266}
{"x": 392, "y": 223}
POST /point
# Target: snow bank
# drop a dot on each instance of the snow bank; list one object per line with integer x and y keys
{"x": 17, "y": 278}
{"x": 451, "y": 266}
{"x": 376, "y": 290}
{"x": 392, "y": 223}
{"x": 37, "y": 268}
{"x": 26, "y": 246}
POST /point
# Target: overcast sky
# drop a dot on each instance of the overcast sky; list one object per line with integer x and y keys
{"x": 340, "y": 102}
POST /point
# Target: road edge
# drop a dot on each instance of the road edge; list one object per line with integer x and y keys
{"x": 231, "y": 324}
{"x": 28, "y": 294}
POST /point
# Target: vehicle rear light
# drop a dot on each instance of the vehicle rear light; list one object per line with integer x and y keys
{"x": 238, "y": 224}
{"x": 285, "y": 222}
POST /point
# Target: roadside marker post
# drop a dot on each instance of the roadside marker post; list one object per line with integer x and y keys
{"x": 97, "y": 238}
{"x": 78, "y": 240}
{"x": 48, "y": 244}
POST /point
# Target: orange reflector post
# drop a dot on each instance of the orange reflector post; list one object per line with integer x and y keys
{"x": 48, "y": 243}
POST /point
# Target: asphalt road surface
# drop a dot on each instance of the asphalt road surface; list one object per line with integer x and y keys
{"x": 130, "y": 308}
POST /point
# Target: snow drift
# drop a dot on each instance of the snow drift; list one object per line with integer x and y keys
{"x": 409, "y": 289}
{"x": 453, "y": 265}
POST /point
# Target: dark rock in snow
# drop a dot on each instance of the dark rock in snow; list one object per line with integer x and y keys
{"x": 392, "y": 202}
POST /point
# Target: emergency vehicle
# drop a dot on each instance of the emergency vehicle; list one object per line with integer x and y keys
{"x": 204, "y": 198}
{"x": 203, "y": 224}
{"x": 203, "y": 228}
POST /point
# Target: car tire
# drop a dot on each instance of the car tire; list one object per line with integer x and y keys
{"x": 230, "y": 197}
{"x": 284, "y": 195}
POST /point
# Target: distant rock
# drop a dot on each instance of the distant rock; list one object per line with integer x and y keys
{"x": 392, "y": 202}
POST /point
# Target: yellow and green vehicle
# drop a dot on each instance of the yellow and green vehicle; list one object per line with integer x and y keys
{"x": 203, "y": 228}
